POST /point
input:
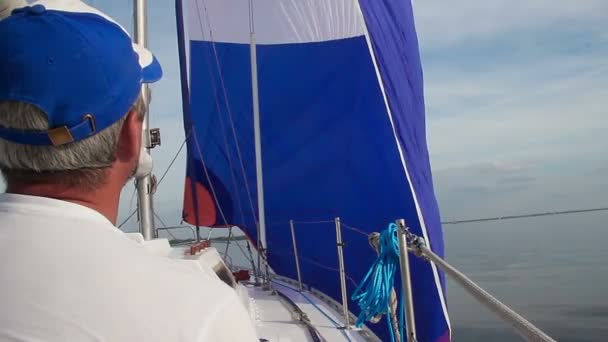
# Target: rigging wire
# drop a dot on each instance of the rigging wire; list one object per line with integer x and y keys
{"x": 228, "y": 155}
{"x": 355, "y": 229}
{"x": 181, "y": 147}
{"x": 228, "y": 107}
{"x": 127, "y": 219}
{"x": 212, "y": 188}
{"x": 132, "y": 198}
{"x": 250, "y": 257}
{"x": 228, "y": 242}
{"x": 214, "y": 85}
{"x": 165, "y": 174}
{"x": 231, "y": 120}
{"x": 514, "y": 217}
{"x": 165, "y": 226}
{"x": 247, "y": 257}
{"x": 314, "y": 222}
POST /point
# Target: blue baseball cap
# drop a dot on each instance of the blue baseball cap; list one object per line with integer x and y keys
{"x": 74, "y": 63}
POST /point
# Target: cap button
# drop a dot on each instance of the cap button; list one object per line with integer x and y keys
{"x": 37, "y": 9}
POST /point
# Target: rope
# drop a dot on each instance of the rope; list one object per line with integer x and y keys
{"x": 373, "y": 295}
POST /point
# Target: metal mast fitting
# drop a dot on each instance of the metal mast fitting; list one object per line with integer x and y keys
{"x": 262, "y": 252}
{"x": 295, "y": 254}
{"x": 343, "y": 289}
{"x": 406, "y": 280}
{"x": 150, "y": 138}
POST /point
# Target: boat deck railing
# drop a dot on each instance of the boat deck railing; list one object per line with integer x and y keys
{"x": 176, "y": 241}
{"x": 409, "y": 243}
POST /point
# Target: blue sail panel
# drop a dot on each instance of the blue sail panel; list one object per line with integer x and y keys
{"x": 395, "y": 46}
{"x": 334, "y": 144}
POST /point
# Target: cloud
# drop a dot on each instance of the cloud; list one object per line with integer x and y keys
{"x": 534, "y": 107}
{"x": 504, "y": 168}
{"x": 444, "y": 24}
{"x": 516, "y": 180}
{"x": 489, "y": 176}
{"x": 464, "y": 189}
{"x": 449, "y": 83}
{"x": 515, "y": 187}
{"x": 523, "y": 81}
{"x": 601, "y": 171}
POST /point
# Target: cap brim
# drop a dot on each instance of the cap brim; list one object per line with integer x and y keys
{"x": 151, "y": 71}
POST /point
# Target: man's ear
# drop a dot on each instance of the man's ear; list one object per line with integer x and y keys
{"x": 129, "y": 142}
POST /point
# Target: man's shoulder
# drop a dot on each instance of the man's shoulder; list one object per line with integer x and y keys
{"x": 92, "y": 270}
{"x": 188, "y": 293}
{"x": 80, "y": 245}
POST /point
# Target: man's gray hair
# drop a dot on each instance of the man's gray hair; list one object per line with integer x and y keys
{"x": 79, "y": 163}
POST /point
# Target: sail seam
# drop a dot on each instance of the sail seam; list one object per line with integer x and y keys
{"x": 402, "y": 156}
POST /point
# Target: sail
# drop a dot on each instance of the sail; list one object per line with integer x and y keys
{"x": 342, "y": 134}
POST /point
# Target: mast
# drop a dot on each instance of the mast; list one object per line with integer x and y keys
{"x": 144, "y": 184}
{"x": 258, "y": 141}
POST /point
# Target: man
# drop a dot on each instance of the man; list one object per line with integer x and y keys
{"x": 70, "y": 136}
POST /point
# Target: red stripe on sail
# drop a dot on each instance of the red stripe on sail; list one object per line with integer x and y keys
{"x": 205, "y": 211}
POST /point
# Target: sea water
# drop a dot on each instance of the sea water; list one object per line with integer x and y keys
{"x": 551, "y": 270}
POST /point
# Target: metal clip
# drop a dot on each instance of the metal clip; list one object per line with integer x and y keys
{"x": 154, "y": 137}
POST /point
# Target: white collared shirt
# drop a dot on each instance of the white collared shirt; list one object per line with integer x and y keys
{"x": 67, "y": 274}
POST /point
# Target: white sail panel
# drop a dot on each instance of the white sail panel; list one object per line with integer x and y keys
{"x": 275, "y": 21}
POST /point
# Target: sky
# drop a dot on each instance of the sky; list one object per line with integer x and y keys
{"x": 516, "y": 96}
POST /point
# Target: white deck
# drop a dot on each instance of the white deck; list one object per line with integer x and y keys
{"x": 270, "y": 312}
{"x": 274, "y": 320}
